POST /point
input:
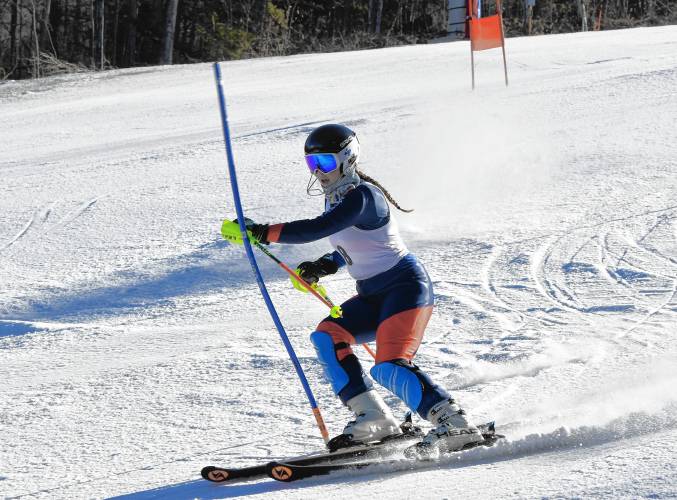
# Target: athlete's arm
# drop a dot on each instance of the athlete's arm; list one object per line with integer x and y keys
{"x": 350, "y": 212}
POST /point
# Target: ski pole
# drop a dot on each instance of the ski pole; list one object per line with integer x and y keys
{"x": 252, "y": 259}
{"x": 335, "y": 311}
{"x": 323, "y": 293}
{"x": 230, "y": 231}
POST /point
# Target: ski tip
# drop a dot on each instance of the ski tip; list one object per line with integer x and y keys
{"x": 214, "y": 474}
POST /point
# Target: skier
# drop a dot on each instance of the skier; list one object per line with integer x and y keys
{"x": 393, "y": 304}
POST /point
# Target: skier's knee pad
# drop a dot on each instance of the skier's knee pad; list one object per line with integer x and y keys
{"x": 410, "y": 384}
{"x": 326, "y": 355}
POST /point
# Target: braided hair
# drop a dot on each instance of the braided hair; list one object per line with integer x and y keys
{"x": 385, "y": 191}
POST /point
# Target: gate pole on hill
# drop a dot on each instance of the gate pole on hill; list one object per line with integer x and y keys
{"x": 485, "y": 33}
{"x": 252, "y": 258}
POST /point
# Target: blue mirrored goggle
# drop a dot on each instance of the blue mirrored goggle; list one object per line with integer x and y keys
{"x": 325, "y": 162}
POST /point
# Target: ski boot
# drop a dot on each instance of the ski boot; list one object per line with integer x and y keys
{"x": 373, "y": 422}
{"x": 452, "y": 432}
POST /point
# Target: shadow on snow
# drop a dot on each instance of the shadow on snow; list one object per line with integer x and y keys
{"x": 209, "y": 491}
{"x": 633, "y": 425}
{"x": 212, "y": 268}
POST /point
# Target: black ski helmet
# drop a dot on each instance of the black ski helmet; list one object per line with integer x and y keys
{"x": 337, "y": 139}
{"x": 330, "y": 138}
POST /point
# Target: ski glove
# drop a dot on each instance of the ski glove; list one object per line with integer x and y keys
{"x": 312, "y": 271}
{"x": 259, "y": 231}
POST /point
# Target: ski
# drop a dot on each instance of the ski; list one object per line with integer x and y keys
{"x": 288, "y": 472}
{"x": 381, "y": 449}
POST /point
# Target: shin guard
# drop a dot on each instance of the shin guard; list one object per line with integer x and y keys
{"x": 410, "y": 384}
{"x": 345, "y": 375}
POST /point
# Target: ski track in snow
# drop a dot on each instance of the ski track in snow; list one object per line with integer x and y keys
{"x": 23, "y": 231}
{"x": 41, "y": 217}
{"x": 77, "y": 212}
{"x": 561, "y": 439}
{"x": 134, "y": 345}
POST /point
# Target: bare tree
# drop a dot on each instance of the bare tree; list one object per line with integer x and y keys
{"x": 529, "y": 16}
{"x": 45, "y": 27}
{"x": 132, "y": 14}
{"x": 170, "y": 27}
{"x": 583, "y": 12}
{"x": 36, "y": 58}
{"x": 116, "y": 27}
{"x": 77, "y": 33}
{"x": 379, "y": 16}
{"x": 14, "y": 38}
{"x": 98, "y": 26}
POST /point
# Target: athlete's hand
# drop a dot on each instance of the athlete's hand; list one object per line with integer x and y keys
{"x": 312, "y": 271}
{"x": 258, "y": 231}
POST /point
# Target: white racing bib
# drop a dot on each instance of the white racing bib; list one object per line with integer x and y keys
{"x": 370, "y": 252}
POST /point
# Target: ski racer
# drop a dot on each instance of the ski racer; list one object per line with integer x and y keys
{"x": 393, "y": 304}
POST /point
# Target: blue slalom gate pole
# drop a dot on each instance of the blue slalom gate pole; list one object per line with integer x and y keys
{"x": 252, "y": 259}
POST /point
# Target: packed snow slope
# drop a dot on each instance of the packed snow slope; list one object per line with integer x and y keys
{"x": 134, "y": 344}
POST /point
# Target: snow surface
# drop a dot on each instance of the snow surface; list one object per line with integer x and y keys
{"x": 135, "y": 347}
